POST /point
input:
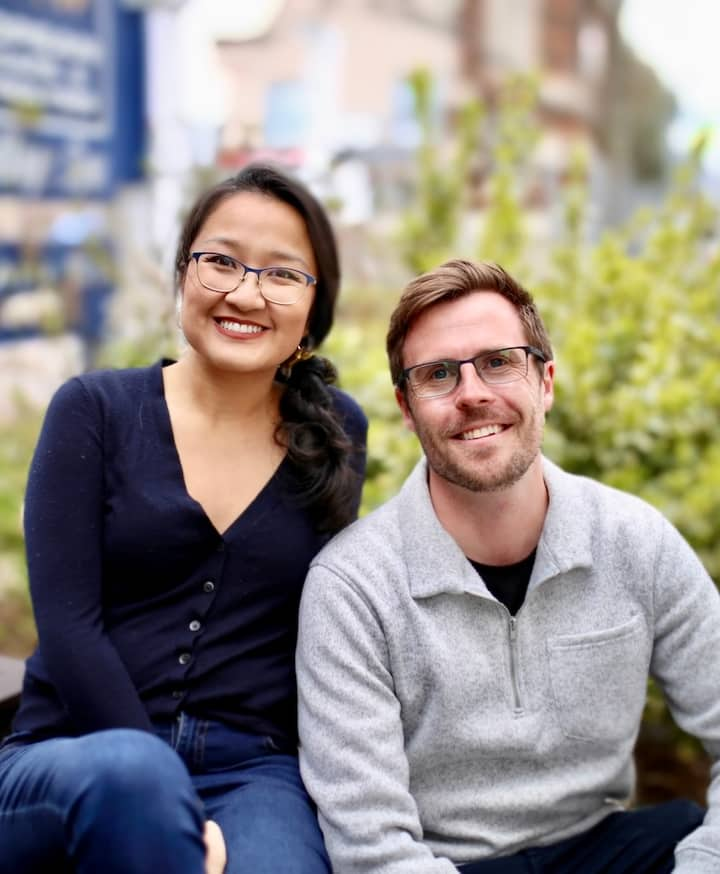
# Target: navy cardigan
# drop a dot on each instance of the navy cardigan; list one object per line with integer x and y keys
{"x": 143, "y": 608}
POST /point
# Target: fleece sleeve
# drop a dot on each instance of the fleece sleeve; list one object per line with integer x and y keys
{"x": 686, "y": 663}
{"x": 63, "y": 518}
{"x": 351, "y": 739}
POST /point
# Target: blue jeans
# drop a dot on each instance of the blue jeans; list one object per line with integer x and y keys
{"x": 127, "y": 802}
{"x": 628, "y": 842}
{"x": 254, "y": 791}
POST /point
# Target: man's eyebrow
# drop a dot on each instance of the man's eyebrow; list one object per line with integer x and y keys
{"x": 450, "y": 360}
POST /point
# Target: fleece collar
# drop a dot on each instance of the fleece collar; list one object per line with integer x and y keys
{"x": 437, "y": 565}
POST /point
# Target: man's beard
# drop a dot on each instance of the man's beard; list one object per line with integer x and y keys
{"x": 482, "y": 474}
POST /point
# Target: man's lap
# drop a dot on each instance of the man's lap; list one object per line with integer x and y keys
{"x": 627, "y": 842}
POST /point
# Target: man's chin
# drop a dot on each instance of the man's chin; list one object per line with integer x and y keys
{"x": 488, "y": 480}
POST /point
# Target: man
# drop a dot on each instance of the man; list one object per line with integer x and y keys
{"x": 473, "y": 656}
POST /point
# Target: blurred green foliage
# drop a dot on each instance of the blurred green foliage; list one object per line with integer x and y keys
{"x": 17, "y": 441}
{"x": 636, "y": 324}
{"x": 431, "y": 226}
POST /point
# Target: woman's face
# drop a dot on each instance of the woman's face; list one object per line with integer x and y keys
{"x": 241, "y": 331}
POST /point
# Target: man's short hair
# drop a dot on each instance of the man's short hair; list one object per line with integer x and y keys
{"x": 453, "y": 280}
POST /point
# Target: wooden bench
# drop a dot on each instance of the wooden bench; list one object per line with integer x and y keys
{"x": 11, "y": 676}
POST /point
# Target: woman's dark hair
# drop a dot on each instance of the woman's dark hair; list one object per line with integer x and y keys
{"x": 318, "y": 447}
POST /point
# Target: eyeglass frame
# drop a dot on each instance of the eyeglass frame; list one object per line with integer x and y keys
{"x": 258, "y": 271}
{"x": 529, "y": 350}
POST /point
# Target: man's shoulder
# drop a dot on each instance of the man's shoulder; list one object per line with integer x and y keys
{"x": 367, "y": 558}
{"x": 366, "y": 540}
{"x": 606, "y": 500}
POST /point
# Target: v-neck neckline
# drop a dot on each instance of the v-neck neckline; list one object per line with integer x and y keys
{"x": 250, "y": 514}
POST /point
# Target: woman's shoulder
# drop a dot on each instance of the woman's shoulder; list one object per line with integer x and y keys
{"x": 109, "y": 386}
{"x": 120, "y": 377}
{"x": 352, "y": 414}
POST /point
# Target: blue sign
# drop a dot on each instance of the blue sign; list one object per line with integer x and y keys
{"x": 71, "y": 97}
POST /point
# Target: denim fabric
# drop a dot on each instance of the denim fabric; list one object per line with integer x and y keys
{"x": 126, "y": 802}
{"x": 252, "y": 788}
{"x": 628, "y": 842}
{"x": 116, "y": 802}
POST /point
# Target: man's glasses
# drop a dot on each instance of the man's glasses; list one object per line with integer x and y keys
{"x": 437, "y": 378}
{"x": 223, "y": 274}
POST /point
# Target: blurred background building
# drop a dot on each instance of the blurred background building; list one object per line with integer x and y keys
{"x": 113, "y": 113}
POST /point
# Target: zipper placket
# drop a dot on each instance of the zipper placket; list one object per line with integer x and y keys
{"x": 517, "y": 703}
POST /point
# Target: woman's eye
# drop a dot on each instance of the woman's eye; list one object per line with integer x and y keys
{"x": 221, "y": 260}
{"x": 284, "y": 274}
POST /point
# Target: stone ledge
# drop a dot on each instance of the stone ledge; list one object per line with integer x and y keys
{"x": 11, "y": 677}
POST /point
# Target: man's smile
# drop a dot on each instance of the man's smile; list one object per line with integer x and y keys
{"x": 480, "y": 432}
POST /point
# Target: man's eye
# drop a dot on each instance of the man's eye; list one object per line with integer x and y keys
{"x": 496, "y": 361}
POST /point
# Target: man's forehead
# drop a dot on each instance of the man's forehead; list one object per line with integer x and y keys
{"x": 477, "y": 311}
{"x": 475, "y": 323}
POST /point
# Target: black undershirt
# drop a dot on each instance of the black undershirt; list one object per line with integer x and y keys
{"x": 508, "y": 583}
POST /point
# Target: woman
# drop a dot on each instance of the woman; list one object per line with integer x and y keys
{"x": 171, "y": 514}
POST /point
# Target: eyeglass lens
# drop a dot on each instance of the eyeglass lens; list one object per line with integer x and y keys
{"x": 494, "y": 368}
{"x": 221, "y": 273}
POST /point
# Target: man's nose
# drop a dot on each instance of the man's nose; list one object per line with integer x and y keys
{"x": 471, "y": 388}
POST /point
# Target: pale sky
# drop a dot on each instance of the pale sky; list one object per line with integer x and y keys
{"x": 679, "y": 39}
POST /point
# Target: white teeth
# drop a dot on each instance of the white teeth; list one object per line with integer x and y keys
{"x": 240, "y": 327}
{"x": 485, "y": 431}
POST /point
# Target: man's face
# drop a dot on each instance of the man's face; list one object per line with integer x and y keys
{"x": 480, "y": 437}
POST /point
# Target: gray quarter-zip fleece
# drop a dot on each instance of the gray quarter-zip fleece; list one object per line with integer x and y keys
{"x": 436, "y": 729}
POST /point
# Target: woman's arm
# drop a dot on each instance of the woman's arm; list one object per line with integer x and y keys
{"x": 64, "y": 508}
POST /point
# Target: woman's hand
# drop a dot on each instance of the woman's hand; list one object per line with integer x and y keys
{"x": 215, "y": 852}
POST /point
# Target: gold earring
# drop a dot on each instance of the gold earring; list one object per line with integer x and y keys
{"x": 302, "y": 353}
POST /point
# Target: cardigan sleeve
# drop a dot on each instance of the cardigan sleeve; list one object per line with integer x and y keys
{"x": 63, "y": 518}
{"x": 352, "y": 753}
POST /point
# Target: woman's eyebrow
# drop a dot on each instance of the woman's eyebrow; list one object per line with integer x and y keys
{"x": 279, "y": 254}
{"x": 288, "y": 256}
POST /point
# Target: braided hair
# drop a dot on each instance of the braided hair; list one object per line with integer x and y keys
{"x": 318, "y": 448}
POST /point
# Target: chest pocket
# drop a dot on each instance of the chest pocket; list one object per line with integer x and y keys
{"x": 599, "y": 682}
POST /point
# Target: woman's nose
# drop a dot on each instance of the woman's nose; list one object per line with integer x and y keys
{"x": 247, "y": 292}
